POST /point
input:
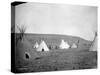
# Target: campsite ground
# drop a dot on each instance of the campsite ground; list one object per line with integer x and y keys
{"x": 55, "y": 59}
{"x": 63, "y": 60}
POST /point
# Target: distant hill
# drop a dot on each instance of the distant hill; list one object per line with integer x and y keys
{"x": 53, "y": 35}
{"x": 54, "y": 39}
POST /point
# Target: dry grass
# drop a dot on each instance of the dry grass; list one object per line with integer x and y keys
{"x": 54, "y": 60}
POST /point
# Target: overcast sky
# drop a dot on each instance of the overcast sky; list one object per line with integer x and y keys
{"x": 64, "y": 19}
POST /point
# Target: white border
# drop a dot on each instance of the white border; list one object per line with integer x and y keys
{"x": 5, "y": 44}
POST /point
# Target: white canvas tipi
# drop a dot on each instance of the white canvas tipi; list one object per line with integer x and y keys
{"x": 42, "y": 47}
{"x": 64, "y": 45}
{"x": 74, "y": 45}
{"x": 36, "y": 45}
{"x": 94, "y": 45}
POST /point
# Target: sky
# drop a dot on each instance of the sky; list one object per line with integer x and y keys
{"x": 44, "y": 18}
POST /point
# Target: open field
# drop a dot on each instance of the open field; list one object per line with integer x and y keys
{"x": 55, "y": 59}
{"x": 63, "y": 60}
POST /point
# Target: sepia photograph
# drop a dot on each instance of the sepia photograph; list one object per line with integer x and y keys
{"x": 53, "y": 37}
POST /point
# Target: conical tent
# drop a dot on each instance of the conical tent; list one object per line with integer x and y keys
{"x": 94, "y": 45}
{"x": 42, "y": 47}
{"x": 64, "y": 45}
{"x": 74, "y": 45}
{"x": 36, "y": 45}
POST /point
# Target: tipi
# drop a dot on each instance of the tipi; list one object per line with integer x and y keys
{"x": 42, "y": 47}
{"x": 64, "y": 45}
{"x": 36, "y": 45}
{"x": 94, "y": 43}
{"x": 74, "y": 45}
